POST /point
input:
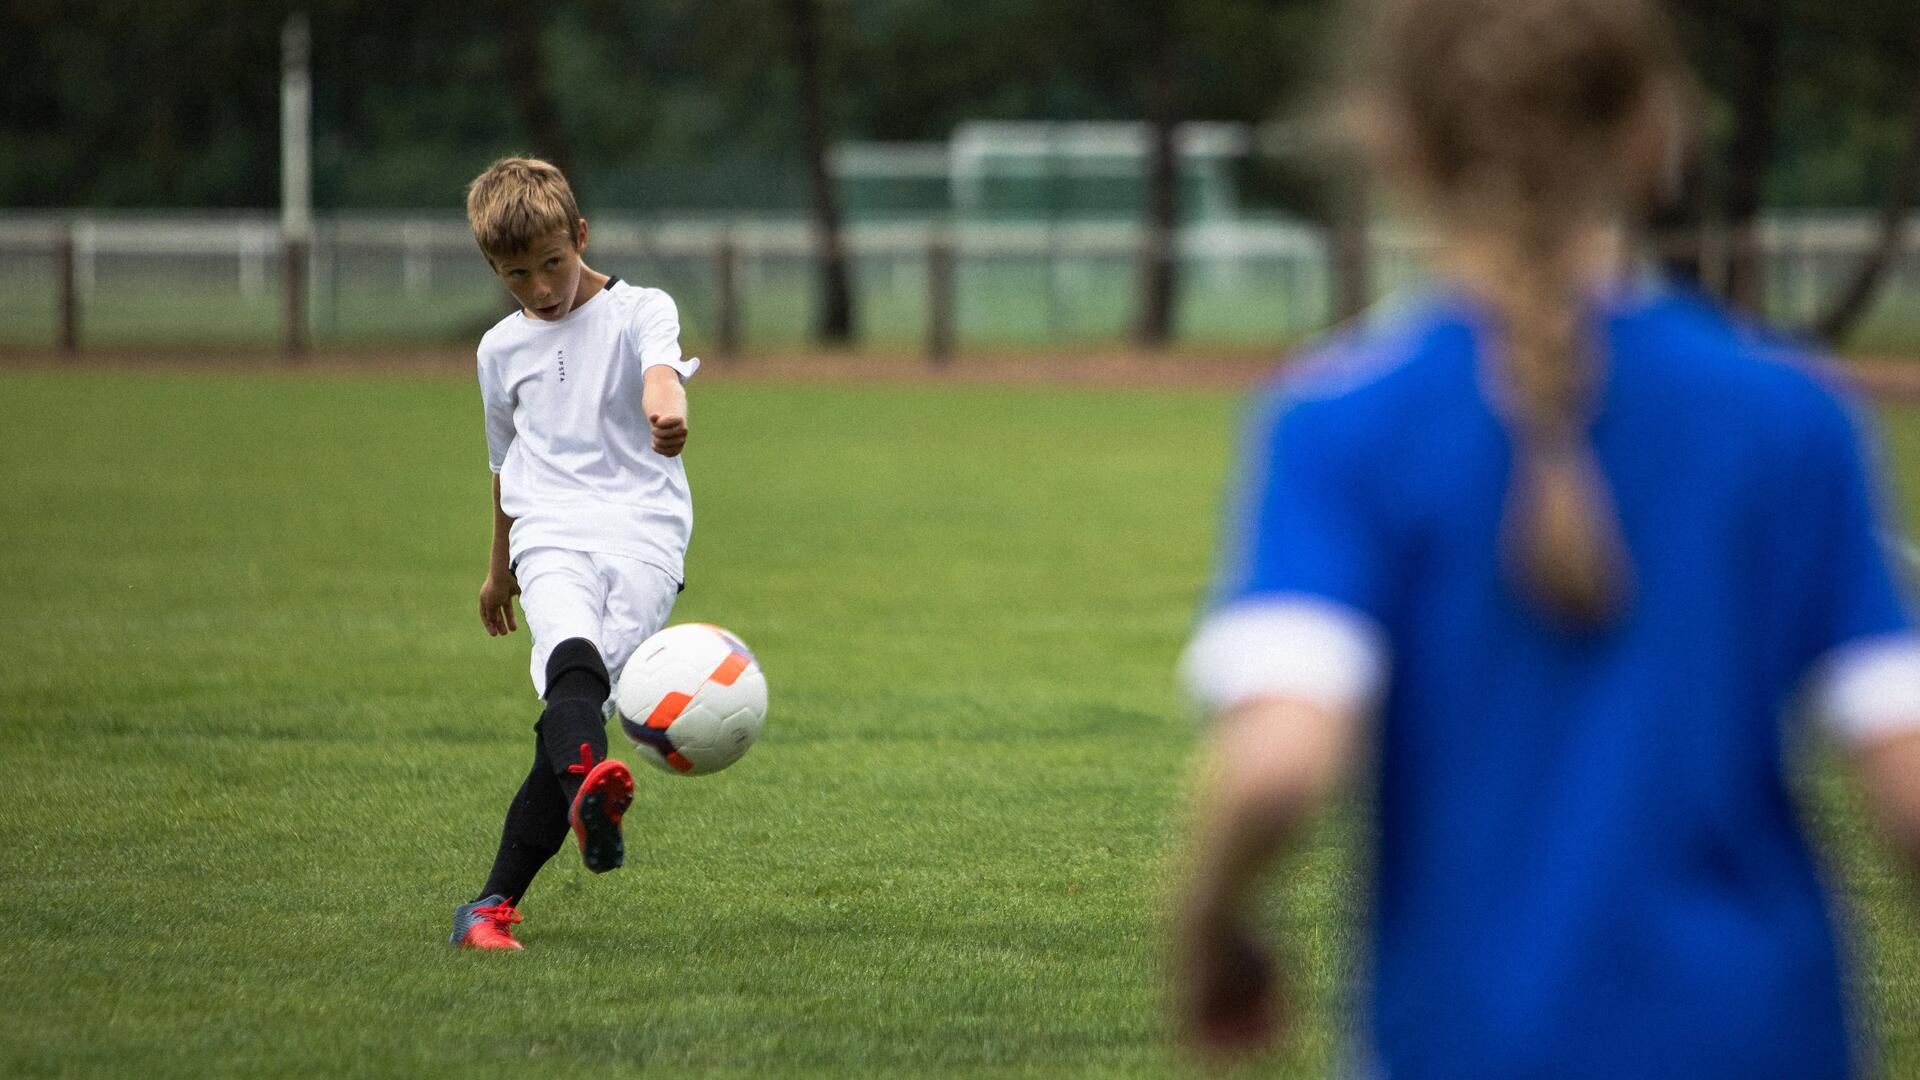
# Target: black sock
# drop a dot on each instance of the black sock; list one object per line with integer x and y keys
{"x": 537, "y": 826}
{"x": 564, "y": 728}
{"x": 535, "y": 830}
{"x": 577, "y": 687}
{"x": 576, "y": 671}
{"x": 576, "y": 684}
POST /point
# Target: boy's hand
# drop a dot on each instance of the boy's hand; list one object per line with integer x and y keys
{"x": 669, "y": 433}
{"x": 496, "y": 604}
{"x": 666, "y": 404}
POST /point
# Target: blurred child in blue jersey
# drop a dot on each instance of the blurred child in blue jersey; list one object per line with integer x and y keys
{"x": 1557, "y": 559}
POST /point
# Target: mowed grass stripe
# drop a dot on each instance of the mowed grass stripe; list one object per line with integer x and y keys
{"x": 258, "y": 745}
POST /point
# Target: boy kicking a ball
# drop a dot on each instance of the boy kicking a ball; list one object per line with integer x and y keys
{"x": 586, "y": 416}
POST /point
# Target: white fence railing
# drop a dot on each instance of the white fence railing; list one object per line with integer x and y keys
{"x": 132, "y": 278}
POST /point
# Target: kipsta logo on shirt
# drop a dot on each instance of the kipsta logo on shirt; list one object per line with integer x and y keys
{"x": 561, "y": 356}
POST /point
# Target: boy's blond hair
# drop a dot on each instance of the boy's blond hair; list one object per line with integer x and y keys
{"x": 517, "y": 202}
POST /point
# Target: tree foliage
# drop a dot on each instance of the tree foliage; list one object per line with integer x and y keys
{"x": 693, "y": 103}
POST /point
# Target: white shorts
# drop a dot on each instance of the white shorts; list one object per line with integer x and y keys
{"x": 611, "y": 600}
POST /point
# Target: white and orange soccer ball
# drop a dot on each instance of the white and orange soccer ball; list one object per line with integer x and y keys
{"x": 692, "y": 699}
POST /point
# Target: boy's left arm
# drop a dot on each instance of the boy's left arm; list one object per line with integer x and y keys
{"x": 664, "y": 398}
{"x": 664, "y": 370}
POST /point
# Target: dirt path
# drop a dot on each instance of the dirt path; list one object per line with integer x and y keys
{"x": 1893, "y": 379}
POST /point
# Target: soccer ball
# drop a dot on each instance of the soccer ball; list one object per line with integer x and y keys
{"x": 692, "y": 699}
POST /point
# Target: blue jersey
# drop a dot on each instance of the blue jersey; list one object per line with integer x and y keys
{"x": 1588, "y": 862}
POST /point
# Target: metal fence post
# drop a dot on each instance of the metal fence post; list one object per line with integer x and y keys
{"x": 293, "y": 280}
{"x": 296, "y": 173}
{"x": 726, "y": 293}
{"x": 66, "y": 288}
{"x": 940, "y": 299}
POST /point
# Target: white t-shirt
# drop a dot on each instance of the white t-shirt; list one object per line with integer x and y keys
{"x": 568, "y": 434}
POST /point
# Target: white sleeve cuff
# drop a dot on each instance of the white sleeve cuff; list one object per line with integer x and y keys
{"x": 1868, "y": 689}
{"x": 1289, "y": 645}
{"x": 683, "y": 367}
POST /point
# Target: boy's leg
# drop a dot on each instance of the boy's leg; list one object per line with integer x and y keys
{"x": 579, "y": 678}
{"x": 536, "y": 826}
{"x": 563, "y": 599}
{"x": 576, "y": 687}
{"x": 640, "y": 598}
{"x": 566, "y": 601}
{"x": 570, "y": 739}
{"x": 598, "y": 790}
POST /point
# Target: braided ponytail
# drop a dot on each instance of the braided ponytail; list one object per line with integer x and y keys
{"x": 1560, "y": 530}
{"x": 1512, "y": 117}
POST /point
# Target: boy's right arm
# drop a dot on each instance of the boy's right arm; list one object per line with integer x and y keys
{"x": 496, "y": 596}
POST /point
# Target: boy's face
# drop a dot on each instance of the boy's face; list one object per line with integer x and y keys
{"x": 545, "y": 278}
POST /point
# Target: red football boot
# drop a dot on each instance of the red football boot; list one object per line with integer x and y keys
{"x": 604, "y": 797}
{"x": 485, "y": 924}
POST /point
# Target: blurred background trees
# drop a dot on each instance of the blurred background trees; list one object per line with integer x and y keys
{"x": 732, "y": 107}
{"x": 1811, "y": 104}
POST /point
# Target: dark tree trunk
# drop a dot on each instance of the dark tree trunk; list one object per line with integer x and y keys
{"x": 1840, "y": 320}
{"x": 524, "y": 65}
{"x": 1758, "y": 33}
{"x": 836, "y": 296}
{"x": 1160, "y": 256}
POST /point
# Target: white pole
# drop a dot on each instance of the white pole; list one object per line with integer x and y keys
{"x": 296, "y": 123}
{"x": 296, "y": 180}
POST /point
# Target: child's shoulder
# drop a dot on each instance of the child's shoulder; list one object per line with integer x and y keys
{"x": 500, "y": 333}
{"x": 635, "y": 299}
{"x": 1734, "y": 363}
{"x": 1370, "y": 360}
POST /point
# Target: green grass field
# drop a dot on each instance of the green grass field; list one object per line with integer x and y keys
{"x": 257, "y": 745}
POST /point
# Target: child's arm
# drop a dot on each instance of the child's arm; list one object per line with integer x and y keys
{"x": 664, "y": 370}
{"x": 665, "y": 400}
{"x": 1890, "y": 769}
{"x": 496, "y": 596}
{"x": 1269, "y": 763}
